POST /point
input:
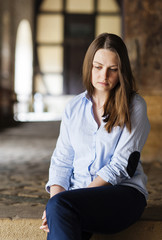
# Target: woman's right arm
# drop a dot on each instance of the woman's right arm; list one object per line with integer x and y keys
{"x": 61, "y": 166}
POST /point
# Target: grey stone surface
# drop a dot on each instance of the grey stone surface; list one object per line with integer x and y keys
{"x": 25, "y": 153}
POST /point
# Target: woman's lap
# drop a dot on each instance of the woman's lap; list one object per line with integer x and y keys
{"x": 107, "y": 209}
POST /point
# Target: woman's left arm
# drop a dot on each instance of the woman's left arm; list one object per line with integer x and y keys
{"x": 126, "y": 156}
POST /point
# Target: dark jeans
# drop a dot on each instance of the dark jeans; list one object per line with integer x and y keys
{"x": 76, "y": 214}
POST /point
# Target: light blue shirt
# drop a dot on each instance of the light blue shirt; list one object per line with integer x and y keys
{"x": 84, "y": 151}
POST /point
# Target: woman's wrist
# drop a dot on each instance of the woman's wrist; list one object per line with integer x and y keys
{"x": 54, "y": 189}
{"x": 98, "y": 182}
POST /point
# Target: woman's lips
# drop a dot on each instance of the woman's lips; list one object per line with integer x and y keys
{"x": 103, "y": 83}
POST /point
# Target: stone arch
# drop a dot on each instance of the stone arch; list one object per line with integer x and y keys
{"x": 23, "y": 67}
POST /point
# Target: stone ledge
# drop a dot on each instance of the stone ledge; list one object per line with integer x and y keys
{"x": 25, "y": 229}
{"x": 21, "y": 229}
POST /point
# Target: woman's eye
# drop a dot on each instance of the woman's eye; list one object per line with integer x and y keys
{"x": 113, "y": 69}
{"x": 98, "y": 67}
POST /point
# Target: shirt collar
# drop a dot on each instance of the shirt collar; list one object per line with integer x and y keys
{"x": 86, "y": 96}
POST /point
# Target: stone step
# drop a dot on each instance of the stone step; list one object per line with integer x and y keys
{"x": 28, "y": 229}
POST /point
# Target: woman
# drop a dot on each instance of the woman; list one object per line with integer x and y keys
{"x": 96, "y": 181}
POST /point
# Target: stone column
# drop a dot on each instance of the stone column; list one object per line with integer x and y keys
{"x": 143, "y": 37}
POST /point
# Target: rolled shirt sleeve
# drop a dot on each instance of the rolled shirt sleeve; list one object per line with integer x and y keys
{"x": 62, "y": 159}
{"x": 129, "y": 143}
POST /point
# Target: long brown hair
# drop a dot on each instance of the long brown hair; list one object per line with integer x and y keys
{"x": 117, "y": 105}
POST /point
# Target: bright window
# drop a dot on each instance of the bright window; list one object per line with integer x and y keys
{"x": 51, "y": 5}
{"x": 23, "y": 59}
{"x": 50, "y": 28}
{"x": 108, "y": 6}
{"x": 77, "y": 6}
{"x": 110, "y": 24}
{"x": 50, "y": 58}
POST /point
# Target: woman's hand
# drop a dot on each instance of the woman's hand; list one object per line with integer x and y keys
{"x": 98, "y": 182}
{"x": 44, "y": 226}
{"x": 53, "y": 191}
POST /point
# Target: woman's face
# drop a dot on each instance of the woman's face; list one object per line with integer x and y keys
{"x": 104, "y": 71}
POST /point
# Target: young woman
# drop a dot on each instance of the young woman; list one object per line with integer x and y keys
{"x": 96, "y": 180}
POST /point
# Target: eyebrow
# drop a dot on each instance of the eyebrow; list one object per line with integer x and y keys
{"x": 102, "y": 64}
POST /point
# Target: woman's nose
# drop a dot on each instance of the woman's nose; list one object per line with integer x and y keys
{"x": 105, "y": 74}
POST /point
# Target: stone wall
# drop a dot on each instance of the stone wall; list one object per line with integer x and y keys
{"x": 11, "y": 14}
{"x": 143, "y": 36}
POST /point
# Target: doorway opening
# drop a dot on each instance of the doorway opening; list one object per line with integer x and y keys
{"x": 23, "y": 69}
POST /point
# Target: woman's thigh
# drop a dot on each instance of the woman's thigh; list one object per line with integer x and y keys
{"x": 107, "y": 209}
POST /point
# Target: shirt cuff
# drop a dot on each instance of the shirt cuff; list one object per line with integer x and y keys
{"x": 61, "y": 182}
{"x": 106, "y": 178}
{"x": 107, "y": 175}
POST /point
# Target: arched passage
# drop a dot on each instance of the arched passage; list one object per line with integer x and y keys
{"x": 23, "y": 67}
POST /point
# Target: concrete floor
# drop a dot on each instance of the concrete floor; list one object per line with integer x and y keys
{"x": 25, "y": 152}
